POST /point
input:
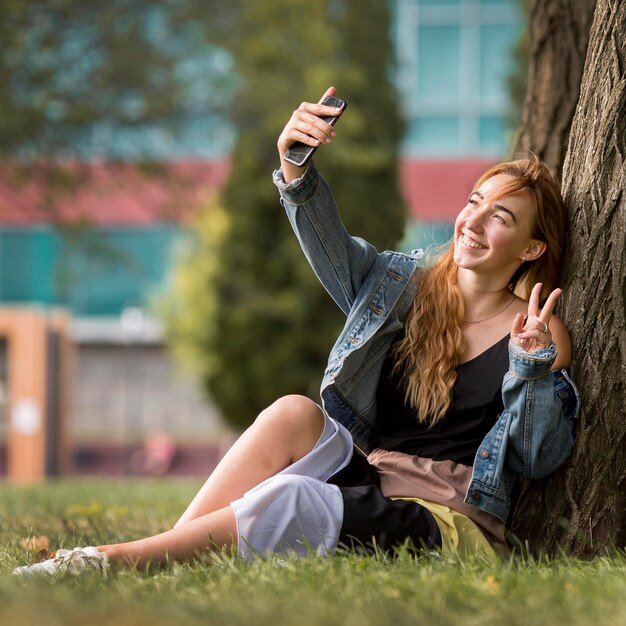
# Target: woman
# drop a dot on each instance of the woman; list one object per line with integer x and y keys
{"x": 443, "y": 385}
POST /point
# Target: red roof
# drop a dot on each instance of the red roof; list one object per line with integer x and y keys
{"x": 126, "y": 194}
{"x": 436, "y": 190}
{"x": 111, "y": 193}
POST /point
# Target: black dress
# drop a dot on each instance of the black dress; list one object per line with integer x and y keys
{"x": 477, "y": 401}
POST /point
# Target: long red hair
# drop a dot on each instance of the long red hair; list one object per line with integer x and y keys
{"x": 429, "y": 353}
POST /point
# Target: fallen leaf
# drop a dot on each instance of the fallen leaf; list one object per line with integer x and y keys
{"x": 37, "y": 545}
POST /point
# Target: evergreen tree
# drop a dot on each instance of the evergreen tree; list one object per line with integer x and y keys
{"x": 362, "y": 167}
{"x": 273, "y": 324}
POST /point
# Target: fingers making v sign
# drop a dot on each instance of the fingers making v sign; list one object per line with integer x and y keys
{"x": 534, "y": 333}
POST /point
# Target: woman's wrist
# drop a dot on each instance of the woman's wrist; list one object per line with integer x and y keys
{"x": 299, "y": 190}
{"x": 531, "y": 365}
{"x": 290, "y": 171}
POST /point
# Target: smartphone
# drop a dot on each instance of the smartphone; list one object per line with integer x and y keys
{"x": 299, "y": 153}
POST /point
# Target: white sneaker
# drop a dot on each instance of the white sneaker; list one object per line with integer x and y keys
{"x": 73, "y": 561}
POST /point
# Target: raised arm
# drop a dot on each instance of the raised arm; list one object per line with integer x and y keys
{"x": 340, "y": 261}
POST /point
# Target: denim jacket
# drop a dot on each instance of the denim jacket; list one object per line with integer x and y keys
{"x": 531, "y": 437}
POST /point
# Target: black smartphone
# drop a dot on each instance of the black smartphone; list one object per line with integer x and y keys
{"x": 299, "y": 153}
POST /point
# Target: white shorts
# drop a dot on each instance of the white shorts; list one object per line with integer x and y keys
{"x": 296, "y": 511}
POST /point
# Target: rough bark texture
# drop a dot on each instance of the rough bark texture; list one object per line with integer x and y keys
{"x": 559, "y": 31}
{"x": 582, "y": 508}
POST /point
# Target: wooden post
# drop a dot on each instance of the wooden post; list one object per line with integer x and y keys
{"x": 59, "y": 324}
{"x": 29, "y": 385}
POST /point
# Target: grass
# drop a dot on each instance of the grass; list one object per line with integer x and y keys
{"x": 348, "y": 589}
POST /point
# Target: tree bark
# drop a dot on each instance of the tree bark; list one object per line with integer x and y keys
{"x": 559, "y": 32}
{"x": 582, "y": 508}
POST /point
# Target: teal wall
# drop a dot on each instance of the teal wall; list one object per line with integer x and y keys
{"x": 94, "y": 272}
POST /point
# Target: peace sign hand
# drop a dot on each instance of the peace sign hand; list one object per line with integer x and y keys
{"x": 535, "y": 334}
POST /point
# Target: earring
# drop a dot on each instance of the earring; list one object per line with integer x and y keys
{"x": 523, "y": 259}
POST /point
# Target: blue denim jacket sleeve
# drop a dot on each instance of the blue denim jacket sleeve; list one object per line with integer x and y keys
{"x": 341, "y": 262}
{"x": 542, "y": 406}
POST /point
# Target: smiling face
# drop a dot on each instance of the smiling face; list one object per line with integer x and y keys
{"x": 493, "y": 233}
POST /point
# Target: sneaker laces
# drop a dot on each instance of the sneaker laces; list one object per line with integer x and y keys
{"x": 79, "y": 559}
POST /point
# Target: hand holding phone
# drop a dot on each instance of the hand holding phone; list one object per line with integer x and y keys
{"x": 300, "y": 153}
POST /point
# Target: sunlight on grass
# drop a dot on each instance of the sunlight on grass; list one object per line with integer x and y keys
{"x": 348, "y": 588}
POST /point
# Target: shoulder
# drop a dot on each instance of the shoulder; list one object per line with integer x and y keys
{"x": 561, "y": 338}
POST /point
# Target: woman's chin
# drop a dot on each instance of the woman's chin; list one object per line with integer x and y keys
{"x": 465, "y": 260}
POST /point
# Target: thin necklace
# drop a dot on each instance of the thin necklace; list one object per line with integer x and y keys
{"x": 504, "y": 308}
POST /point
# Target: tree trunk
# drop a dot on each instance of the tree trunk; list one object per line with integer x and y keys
{"x": 582, "y": 508}
{"x": 559, "y": 31}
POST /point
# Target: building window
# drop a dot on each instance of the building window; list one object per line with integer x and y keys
{"x": 454, "y": 57}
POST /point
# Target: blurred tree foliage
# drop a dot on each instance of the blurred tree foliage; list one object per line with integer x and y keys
{"x": 68, "y": 66}
{"x": 261, "y": 326}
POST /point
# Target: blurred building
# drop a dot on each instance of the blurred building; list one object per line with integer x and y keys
{"x": 104, "y": 269}
{"x": 453, "y": 60}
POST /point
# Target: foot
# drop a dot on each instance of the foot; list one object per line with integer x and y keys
{"x": 74, "y": 561}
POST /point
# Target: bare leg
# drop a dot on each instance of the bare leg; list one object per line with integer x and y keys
{"x": 281, "y": 434}
{"x": 209, "y": 532}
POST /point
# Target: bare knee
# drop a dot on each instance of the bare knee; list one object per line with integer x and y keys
{"x": 296, "y": 417}
{"x": 298, "y": 411}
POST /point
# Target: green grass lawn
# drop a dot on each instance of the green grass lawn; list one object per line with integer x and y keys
{"x": 347, "y": 589}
